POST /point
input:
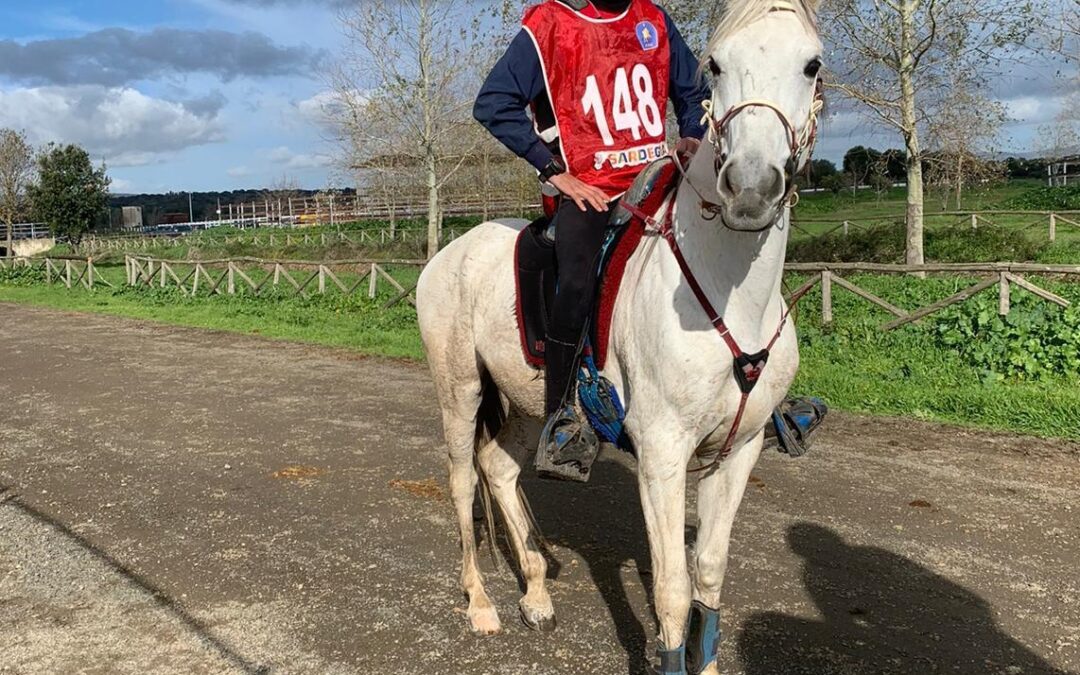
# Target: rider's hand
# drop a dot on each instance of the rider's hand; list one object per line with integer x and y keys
{"x": 685, "y": 149}
{"x": 581, "y": 193}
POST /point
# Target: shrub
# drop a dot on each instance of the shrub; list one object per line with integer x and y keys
{"x": 21, "y": 276}
{"x": 880, "y": 244}
{"x": 885, "y": 244}
{"x": 1035, "y": 341}
{"x": 988, "y": 244}
{"x": 1047, "y": 199}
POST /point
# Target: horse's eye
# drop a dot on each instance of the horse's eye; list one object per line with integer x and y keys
{"x": 714, "y": 67}
{"x": 813, "y": 68}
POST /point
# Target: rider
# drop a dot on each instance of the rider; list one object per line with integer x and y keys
{"x": 596, "y": 76}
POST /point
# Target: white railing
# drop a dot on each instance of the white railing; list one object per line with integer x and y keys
{"x": 27, "y": 231}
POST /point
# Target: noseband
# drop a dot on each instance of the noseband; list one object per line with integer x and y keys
{"x": 800, "y": 145}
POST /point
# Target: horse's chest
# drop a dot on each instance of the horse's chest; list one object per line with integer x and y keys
{"x": 690, "y": 377}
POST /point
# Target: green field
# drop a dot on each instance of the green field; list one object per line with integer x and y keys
{"x": 965, "y": 365}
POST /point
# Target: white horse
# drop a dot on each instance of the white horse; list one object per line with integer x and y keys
{"x": 674, "y": 371}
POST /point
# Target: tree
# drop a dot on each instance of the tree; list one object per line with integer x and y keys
{"x": 821, "y": 170}
{"x": 963, "y": 133}
{"x": 859, "y": 163}
{"x": 405, "y": 87}
{"x": 895, "y": 58}
{"x": 16, "y": 173}
{"x": 70, "y": 195}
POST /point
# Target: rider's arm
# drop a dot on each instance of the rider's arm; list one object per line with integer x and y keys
{"x": 688, "y": 88}
{"x": 504, "y": 100}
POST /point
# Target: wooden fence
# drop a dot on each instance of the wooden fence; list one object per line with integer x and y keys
{"x": 1052, "y": 221}
{"x": 1002, "y": 275}
{"x": 300, "y": 278}
{"x": 71, "y": 272}
{"x": 269, "y": 237}
{"x": 234, "y": 275}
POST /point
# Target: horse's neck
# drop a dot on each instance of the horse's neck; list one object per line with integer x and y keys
{"x": 740, "y": 272}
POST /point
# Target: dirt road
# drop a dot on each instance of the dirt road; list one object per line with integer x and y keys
{"x": 180, "y": 501}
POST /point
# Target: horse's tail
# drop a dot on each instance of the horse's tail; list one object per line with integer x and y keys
{"x": 489, "y": 420}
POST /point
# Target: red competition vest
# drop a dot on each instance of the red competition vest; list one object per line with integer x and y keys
{"x": 607, "y": 80}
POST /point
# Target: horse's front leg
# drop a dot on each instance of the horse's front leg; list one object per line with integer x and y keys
{"x": 719, "y": 494}
{"x": 662, "y": 481}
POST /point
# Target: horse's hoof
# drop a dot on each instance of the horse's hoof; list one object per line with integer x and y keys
{"x": 538, "y": 622}
{"x": 484, "y": 622}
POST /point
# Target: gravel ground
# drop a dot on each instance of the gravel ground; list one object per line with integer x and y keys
{"x": 182, "y": 501}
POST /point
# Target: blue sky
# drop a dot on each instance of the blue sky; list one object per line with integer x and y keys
{"x": 173, "y": 94}
{"x": 224, "y": 94}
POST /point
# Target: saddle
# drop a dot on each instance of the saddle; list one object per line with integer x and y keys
{"x": 536, "y": 275}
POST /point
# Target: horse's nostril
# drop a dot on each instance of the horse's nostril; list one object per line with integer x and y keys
{"x": 727, "y": 183}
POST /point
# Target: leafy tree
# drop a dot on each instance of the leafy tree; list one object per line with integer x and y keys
{"x": 821, "y": 169}
{"x": 859, "y": 162}
{"x": 16, "y": 172}
{"x": 71, "y": 195}
{"x": 895, "y": 164}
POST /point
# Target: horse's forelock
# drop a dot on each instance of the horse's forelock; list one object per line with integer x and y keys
{"x": 739, "y": 14}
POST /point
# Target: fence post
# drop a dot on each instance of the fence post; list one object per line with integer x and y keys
{"x": 48, "y": 270}
{"x": 67, "y": 274}
{"x": 322, "y": 280}
{"x": 1004, "y": 299}
{"x": 232, "y": 279}
{"x": 373, "y": 281}
{"x": 974, "y": 221}
{"x": 826, "y": 298}
{"x": 1053, "y": 227}
{"x": 90, "y": 273}
{"x": 162, "y": 273}
{"x": 847, "y": 228}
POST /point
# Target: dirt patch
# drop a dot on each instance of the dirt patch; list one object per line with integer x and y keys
{"x": 144, "y": 532}
{"x": 428, "y": 489}
{"x": 297, "y": 473}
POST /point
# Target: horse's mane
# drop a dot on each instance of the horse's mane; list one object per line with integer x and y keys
{"x": 739, "y": 14}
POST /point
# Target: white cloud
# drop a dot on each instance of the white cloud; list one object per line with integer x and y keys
{"x": 238, "y": 172}
{"x": 121, "y": 186}
{"x": 120, "y": 125}
{"x": 284, "y": 158}
{"x": 319, "y": 108}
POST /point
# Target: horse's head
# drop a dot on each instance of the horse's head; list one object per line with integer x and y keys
{"x": 764, "y": 63}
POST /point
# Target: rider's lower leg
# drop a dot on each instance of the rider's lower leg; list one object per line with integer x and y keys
{"x": 568, "y": 442}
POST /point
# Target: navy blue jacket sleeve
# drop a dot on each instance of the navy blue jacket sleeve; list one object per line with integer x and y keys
{"x": 503, "y": 103}
{"x": 688, "y": 88}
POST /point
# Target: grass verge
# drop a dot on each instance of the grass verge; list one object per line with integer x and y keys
{"x": 353, "y": 323}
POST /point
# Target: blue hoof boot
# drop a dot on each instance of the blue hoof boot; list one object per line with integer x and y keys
{"x": 671, "y": 662}
{"x": 703, "y": 646}
{"x": 793, "y": 423}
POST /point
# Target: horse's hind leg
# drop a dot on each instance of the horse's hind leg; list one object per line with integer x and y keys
{"x": 501, "y": 462}
{"x": 461, "y": 437}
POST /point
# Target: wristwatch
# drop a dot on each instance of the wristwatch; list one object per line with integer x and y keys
{"x": 554, "y": 168}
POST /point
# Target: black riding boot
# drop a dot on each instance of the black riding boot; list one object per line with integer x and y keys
{"x": 560, "y": 358}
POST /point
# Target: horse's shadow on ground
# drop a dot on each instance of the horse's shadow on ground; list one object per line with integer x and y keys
{"x": 882, "y": 613}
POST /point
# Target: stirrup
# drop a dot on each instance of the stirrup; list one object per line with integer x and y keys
{"x": 793, "y": 422}
{"x": 568, "y": 448}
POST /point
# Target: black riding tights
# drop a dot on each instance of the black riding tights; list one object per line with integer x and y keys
{"x": 579, "y": 236}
